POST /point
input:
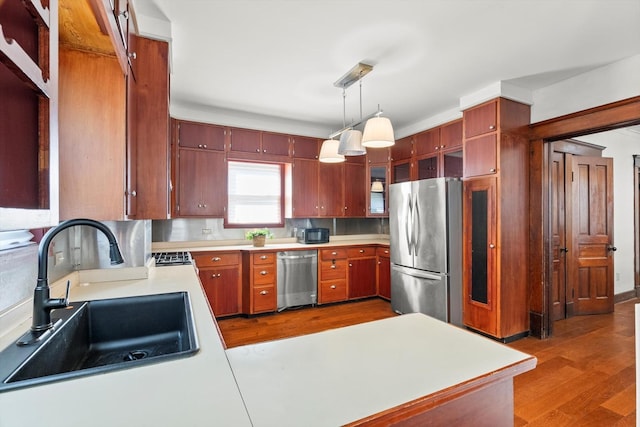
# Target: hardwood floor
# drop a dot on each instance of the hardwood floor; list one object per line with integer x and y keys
{"x": 585, "y": 374}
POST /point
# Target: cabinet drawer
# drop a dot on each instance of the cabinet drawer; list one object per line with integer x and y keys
{"x": 264, "y": 274}
{"x": 480, "y": 120}
{"x": 264, "y": 258}
{"x": 214, "y": 259}
{"x": 264, "y": 298}
{"x": 383, "y": 252}
{"x": 361, "y": 252}
{"x": 336, "y": 253}
{"x": 331, "y": 270}
{"x": 333, "y": 290}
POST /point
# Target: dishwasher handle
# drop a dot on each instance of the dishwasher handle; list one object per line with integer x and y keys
{"x": 297, "y": 256}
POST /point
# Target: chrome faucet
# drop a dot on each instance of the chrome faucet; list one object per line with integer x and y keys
{"x": 42, "y": 301}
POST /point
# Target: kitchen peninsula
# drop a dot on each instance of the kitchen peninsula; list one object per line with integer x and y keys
{"x": 368, "y": 374}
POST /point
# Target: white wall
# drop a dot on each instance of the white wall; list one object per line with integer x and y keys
{"x": 621, "y": 145}
{"x": 610, "y": 83}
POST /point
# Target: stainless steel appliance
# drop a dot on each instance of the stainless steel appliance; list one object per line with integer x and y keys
{"x": 425, "y": 227}
{"x": 313, "y": 235}
{"x": 297, "y": 278}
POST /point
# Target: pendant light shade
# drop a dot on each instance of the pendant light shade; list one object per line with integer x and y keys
{"x": 329, "y": 152}
{"x": 351, "y": 143}
{"x": 378, "y": 133}
{"x": 376, "y": 187}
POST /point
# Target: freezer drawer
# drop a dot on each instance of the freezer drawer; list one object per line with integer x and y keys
{"x": 416, "y": 291}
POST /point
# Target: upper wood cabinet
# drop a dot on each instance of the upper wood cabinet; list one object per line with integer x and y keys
{"x": 202, "y": 183}
{"x": 451, "y": 135}
{"x": 355, "y": 190}
{"x": 275, "y": 143}
{"x": 378, "y": 155}
{"x": 305, "y": 148}
{"x": 304, "y": 177}
{"x": 258, "y": 145}
{"x": 480, "y": 120}
{"x": 331, "y": 187}
{"x": 28, "y": 114}
{"x": 427, "y": 142}
{"x": 402, "y": 149}
{"x": 201, "y": 135}
{"x": 481, "y": 154}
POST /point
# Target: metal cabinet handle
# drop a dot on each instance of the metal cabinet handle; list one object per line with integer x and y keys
{"x": 264, "y": 151}
{"x": 334, "y": 253}
{"x": 333, "y": 286}
{"x": 361, "y": 251}
{"x": 334, "y": 266}
{"x": 565, "y": 250}
{"x": 350, "y": 265}
{"x": 215, "y": 259}
{"x": 263, "y": 257}
{"x": 492, "y": 127}
{"x": 264, "y": 292}
{"x": 492, "y": 245}
{"x": 133, "y": 55}
{"x": 386, "y": 251}
{"x": 202, "y": 145}
{"x": 492, "y": 170}
{"x": 257, "y": 150}
{"x": 263, "y": 273}
{"x": 213, "y": 276}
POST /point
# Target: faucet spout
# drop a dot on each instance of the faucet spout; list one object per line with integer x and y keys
{"x": 42, "y": 301}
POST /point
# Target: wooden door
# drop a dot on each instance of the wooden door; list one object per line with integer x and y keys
{"x": 331, "y": 189}
{"x": 305, "y": 188}
{"x": 362, "y": 277}
{"x": 558, "y": 238}
{"x": 591, "y": 254}
{"x": 355, "y": 190}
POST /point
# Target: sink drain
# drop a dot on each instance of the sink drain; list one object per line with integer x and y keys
{"x": 135, "y": 355}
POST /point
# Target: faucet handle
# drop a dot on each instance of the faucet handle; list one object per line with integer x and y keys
{"x": 66, "y": 295}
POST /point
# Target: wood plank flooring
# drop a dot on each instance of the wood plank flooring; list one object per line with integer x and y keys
{"x": 585, "y": 374}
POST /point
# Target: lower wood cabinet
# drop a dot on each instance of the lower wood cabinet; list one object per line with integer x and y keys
{"x": 220, "y": 275}
{"x": 384, "y": 272}
{"x": 259, "y": 292}
{"x": 362, "y": 272}
{"x": 332, "y": 275}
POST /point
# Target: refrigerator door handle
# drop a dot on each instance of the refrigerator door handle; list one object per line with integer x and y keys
{"x": 408, "y": 227}
{"x": 416, "y": 225}
{"x": 417, "y": 273}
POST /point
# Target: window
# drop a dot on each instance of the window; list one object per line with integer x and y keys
{"x": 255, "y": 192}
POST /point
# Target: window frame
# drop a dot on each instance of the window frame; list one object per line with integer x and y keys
{"x": 281, "y": 223}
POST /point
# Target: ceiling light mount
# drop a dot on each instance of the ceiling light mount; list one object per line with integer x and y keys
{"x": 353, "y": 75}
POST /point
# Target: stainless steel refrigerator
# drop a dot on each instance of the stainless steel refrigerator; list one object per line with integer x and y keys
{"x": 425, "y": 227}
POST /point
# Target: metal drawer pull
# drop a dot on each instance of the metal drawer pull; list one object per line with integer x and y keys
{"x": 264, "y": 292}
{"x": 492, "y": 127}
{"x": 334, "y": 253}
{"x": 361, "y": 251}
{"x": 263, "y": 257}
{"x": 213, "y": 276}
{"x": 263, "y": 273}
{"x": 333, "y": 286}
{"x": 334, "y": 266}
{"x": 215, "y": 258}
{"x": 492, "y": 170}
{"x": 492, "y": 246}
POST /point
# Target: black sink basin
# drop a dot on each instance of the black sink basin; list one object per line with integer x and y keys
{"x": 103, "y": 335}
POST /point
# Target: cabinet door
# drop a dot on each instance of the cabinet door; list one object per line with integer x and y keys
{"x": 244, "y": 141}
{"x": 275, "y": 143}
{"x": 378, "y": 155}
{"x": 480, "y": 255}
{"x": 330, "y": 189}
{"x": 221, "y": 286}
{"x": 402, "y": 149}
{"x": 305, "y": 188}
{"x": 202, "y": 187}
{"x": 401, "y": 171}
{"x": 481, "y": 119}
{"x": 427, "y": 142}
{"x": 428, "y": 167}
{"x": 480, "y": 156}
{"x": 362, "y": 277}
{"x": 452, "y": 163}
{"x": 451, "y": 135}
{"x": 378, "y": 191}
{"x": 355, "y": 190}
{"x": 305, "y": 148}
{"x": 200, "y": 135}
{"x": 384, "y": 276}
{"x": 264, "y": 299}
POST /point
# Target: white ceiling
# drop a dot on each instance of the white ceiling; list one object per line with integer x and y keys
{"x": 280, "y": 58}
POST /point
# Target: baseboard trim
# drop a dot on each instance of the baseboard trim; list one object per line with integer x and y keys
{"x": 625, "y": 296}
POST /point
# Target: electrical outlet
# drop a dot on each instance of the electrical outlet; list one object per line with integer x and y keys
{"x": 58, "y": 258}
{"x": 207, "y": 231}
{"x": 617, "y": 277}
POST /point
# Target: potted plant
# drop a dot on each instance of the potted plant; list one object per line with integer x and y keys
{"x": 258, "y": 236}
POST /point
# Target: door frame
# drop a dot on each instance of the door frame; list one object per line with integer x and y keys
{"x": 599, "y": 119}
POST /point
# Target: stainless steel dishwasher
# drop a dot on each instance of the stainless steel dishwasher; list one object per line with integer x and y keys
{"x": 297, "y": 278}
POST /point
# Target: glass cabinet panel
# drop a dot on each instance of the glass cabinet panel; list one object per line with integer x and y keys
{"x": 377, "y": 190}
{"x": 428, "y": 168}
{"x": 479, "y": 244}
{"x": 452, "y": 164}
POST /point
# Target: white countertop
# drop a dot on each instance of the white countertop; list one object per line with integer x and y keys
{"x": 343, "y": 375}
{"x": 328, "y": 378}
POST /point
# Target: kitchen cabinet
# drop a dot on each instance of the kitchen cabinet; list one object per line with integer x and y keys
{"x": 259, "y": 292}
{"x": 362, "y": 272}
{"x": 201, "y": 186}
{"x": 200, "y": 135}
{"x": 378, "y": 155}
{"x": 305, "y": 148}
{"x": 378, "y": 190}
{"x": 401, "y": 160}
{"x": 29, "y": 115}
{"x": 427, "y": 142}
{"x": 438, "y": 152}
{"x": 220, "y": 275}
{"x": 305, "y": 188}
{"x": 331, "y": 186}
{"x": 384, "y": 272}
{"x": 495, "y": 219}
{"x": 332, "y": 275}
{"x": 258, "y": 145}
{"x": 355, "y": 189}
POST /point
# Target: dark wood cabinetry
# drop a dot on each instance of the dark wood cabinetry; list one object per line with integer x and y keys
{"x": 332, "y": 275}
{"x": 384, "y": 272}
{"x": 362, "y": 264}
{"x": 202, "y": 177}
{"x": 355, "y": 190}
{"x": 220, "y": 275}
{"x": 495, "y": 218}
{"x": 201, "y": 135}
{"x": 258, "y": 145}
{"x": 28, "y": 114}
{"x": 305, "y": 188}
{"x": 259, "y": 293}
{"x": 305, "y": 148}
{"x": 331, "y": 189}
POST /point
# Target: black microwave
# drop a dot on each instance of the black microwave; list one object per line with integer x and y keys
{"x": 313, "y": 235}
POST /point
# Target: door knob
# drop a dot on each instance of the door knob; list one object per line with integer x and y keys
{"x": 565, "y": 250}
{"x": 612, "y": 248}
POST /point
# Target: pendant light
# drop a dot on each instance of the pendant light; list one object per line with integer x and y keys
{"x": 378, "y": 132}
{"x": 329, "y": 152}
{"x": 351, "y": 139}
